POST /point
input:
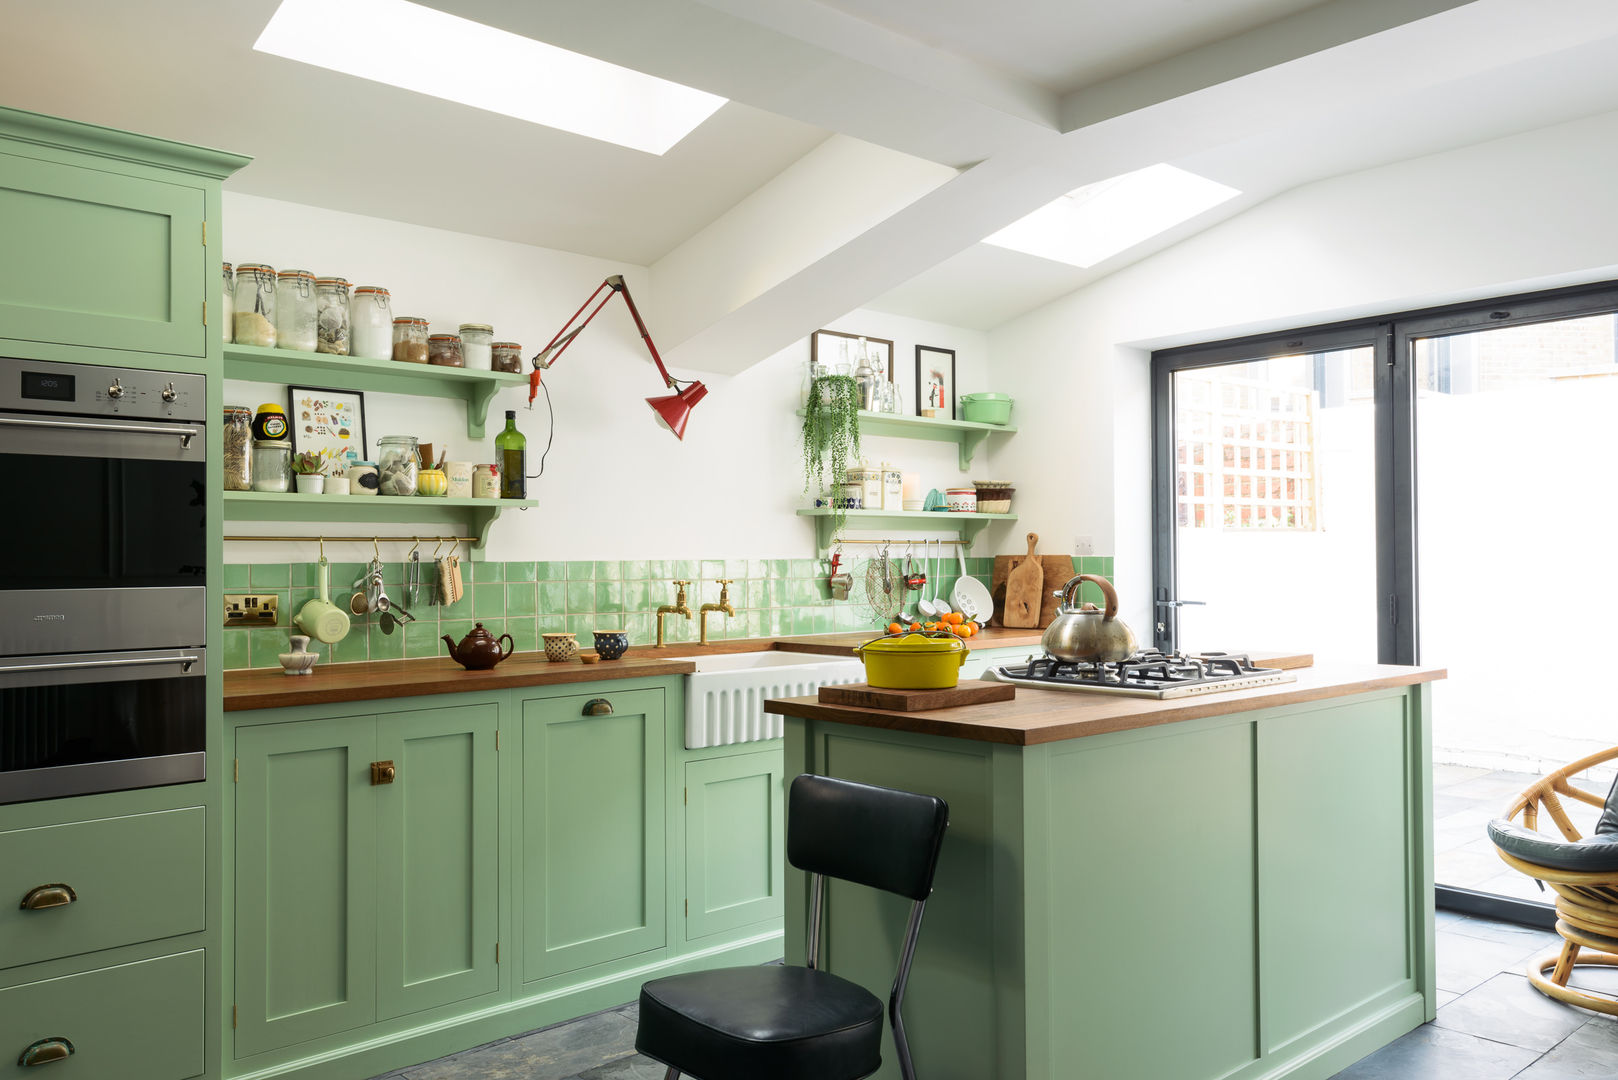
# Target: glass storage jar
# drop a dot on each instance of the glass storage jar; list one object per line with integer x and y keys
{"x": 238, "y": 440}
{"x": 397, "y": 465}
{"x": 477, "y": 341}
{"x": 228, "y": 323}
{"x": 371, "y": 323}
{"x": 272, "y": 465}
{"x": 410, "y": 340}
{"x": 506, "y": 356}
{"x": 295, "y": 310}
{"x": 331, "y": 316}
{"x": 253, "y": 315}
{"x": 445, "y": 351}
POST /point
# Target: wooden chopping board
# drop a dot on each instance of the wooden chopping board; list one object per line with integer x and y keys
{"x": 1058, "y": 570}
{"x": 866, "y": 696}
{"x": 1023, "y": 586}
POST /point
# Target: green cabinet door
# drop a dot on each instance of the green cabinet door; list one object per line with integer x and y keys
{"x": 734, "y": 851}
{"x": 437, "y": 867}
{"x": 305, "y": 881}
{"x": 591, "y": 830}
{"x": 101, "y": 259}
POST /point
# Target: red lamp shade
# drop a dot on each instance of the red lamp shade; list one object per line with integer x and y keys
{"x": 673, "y": 410}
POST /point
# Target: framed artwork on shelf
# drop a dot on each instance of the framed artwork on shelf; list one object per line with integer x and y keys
{"x": 331, "y": 420}
{"x": 833, "y": 347}
{"x": 935, "y": 382}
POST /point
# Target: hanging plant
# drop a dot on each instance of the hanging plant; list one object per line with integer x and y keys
{"x": 831, "y": 436}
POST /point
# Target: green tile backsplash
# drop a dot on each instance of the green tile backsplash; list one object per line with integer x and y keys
{"x": 773, "y": 598}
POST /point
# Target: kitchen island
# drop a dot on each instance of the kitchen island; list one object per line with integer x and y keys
{"x": 1235, "y": 885}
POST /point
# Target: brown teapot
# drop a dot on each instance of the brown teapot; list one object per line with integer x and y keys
{"x": 479, "y": 650}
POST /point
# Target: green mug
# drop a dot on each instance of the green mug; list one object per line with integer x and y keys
{"x": 320, "y": 618}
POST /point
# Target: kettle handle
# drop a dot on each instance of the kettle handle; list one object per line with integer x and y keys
{"x": 1070, "y": 595}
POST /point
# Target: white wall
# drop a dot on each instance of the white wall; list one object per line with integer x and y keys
{"x": 1529, "y": 211}
{"x": 616, "y": 485}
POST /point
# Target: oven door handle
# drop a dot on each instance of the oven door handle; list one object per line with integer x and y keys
{"x": 185, "y": 663}
{"x": 185, "y": 436}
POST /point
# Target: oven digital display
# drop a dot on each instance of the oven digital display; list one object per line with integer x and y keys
{"x": 47, "y": 387}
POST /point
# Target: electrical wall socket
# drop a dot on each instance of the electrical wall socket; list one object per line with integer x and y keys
{"x": 250, "y": 609}
{"x": 1084, "y": 545}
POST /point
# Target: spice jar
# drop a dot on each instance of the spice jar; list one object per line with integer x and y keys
{"x": 272, "y": 465}
{"x": 371, "y": 323}
{"x": 238, "y": 440}
{"x": 397, "y": 465}
{"x": 485, "y": 482}
{"x": 270, "y": 424}
{"x": 331, "y": 316}
{"x": 253, "y": 315}
{"x": 362, "y": 478}
{"x": 477, "y": 340}
{"x": 295, "y": 310}
{"x": 507, "y": 356}
{"x": 445, "y": 351}
{"x": 228, "y": 323}
{"x": 410, "y": 340}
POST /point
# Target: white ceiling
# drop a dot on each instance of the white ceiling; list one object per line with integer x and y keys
{"x": 1028, "y": 102}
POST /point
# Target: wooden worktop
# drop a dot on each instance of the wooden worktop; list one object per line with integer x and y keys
{"x": 267, "y": 688}
{"x": 1041, "y": 716}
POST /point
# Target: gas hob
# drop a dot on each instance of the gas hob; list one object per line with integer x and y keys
{"x": 1146, "y": 674}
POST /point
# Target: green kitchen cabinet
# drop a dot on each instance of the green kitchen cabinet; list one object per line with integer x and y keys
{"x": 591, "y": 821}
{"x": 366, "y": 870}
{"x": 734, "y": 842}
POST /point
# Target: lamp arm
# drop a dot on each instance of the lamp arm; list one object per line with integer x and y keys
{"x": 619, "y": 285}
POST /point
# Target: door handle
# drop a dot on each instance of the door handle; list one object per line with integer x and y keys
{"x": 185, "y": 663}
{"x": 598, "y": 707}
{"x": 48, "y": 896}
{"x": 185, "y": 435}
{"x": 382, "y": 772}
{"x": 1180, "y": 603}
{"x": 45, "y": 1051}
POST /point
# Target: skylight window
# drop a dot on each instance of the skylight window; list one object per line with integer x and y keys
{"x": 421, "y": 49}
{"x": 1097, "y": 221}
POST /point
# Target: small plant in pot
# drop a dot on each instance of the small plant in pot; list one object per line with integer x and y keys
{"x": 309, "y": 468}
{"x": 831, "y": 435}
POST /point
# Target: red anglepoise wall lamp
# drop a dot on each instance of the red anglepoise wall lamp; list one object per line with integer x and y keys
{"x": 672, "y": 410}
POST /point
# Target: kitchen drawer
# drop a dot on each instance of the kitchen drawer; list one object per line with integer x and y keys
{"x": 139, "y": 1021}
{"x": 135, "y": 878}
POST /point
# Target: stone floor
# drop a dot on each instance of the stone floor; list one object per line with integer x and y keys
{"x": 1492, "y": 1025}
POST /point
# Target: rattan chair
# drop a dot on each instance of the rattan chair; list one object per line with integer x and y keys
{"x": 1582, "y": 870}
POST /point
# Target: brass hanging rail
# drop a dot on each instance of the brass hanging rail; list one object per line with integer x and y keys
{"x": 423, "y": 538}
{"x": 896, "y": 543}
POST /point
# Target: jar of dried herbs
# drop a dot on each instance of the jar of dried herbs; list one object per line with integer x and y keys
{"x": 331, "y": 316}
{"x": 254, "y": 313}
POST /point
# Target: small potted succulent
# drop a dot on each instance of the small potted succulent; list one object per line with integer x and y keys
{"x": 310, "y": 469}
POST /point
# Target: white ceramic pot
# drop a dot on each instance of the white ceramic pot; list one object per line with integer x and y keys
{"x": 962, "y": 500}
{"x": 336, "y": 485}
{"x": 313, "y": 484}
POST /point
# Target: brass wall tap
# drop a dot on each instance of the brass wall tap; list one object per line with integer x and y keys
{"x": 679, "y": 607}
{"x": 724, "y": 606}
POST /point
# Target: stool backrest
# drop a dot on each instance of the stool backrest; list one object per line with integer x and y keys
{"x": 872, "y": 836}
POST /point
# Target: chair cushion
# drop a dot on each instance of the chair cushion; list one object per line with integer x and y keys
{"x": 785, "y": 1023}
{"x": 1608, "y": 822}
{"x": 1593, "y": 854}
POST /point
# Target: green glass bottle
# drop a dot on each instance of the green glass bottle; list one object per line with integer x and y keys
{"x": 512, "y": 449}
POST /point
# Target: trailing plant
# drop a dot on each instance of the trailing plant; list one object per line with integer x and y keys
{"x": 831, "y": 436}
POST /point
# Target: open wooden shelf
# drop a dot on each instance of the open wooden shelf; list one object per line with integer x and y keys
{"x": 477, "y": 515}
{"x": 966, "y": 434}
{"x": 968, "y": 525}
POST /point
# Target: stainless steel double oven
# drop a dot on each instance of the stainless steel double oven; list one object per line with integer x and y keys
{"x": 103, "y": 575}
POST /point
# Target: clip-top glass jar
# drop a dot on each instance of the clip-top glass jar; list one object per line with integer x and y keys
{"x": 410, "y": 340}
{"x": 331, "y": 303}
{"x": 445, "y": 351}
{"x": 272, "y": 465}
{"x": 507, "y": 356}
{"x": 371, "y": 323}
{"x": 238, "y": 444}
{"x": 254, "y": 314}
{"x": 477, "y": 340}
{"x": 295, "y": 310}
{"x": 398, "y": 463}
{"x": 228, "y": 324}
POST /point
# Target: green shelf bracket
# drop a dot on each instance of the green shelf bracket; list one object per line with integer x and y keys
{"x": 970, "y": 441}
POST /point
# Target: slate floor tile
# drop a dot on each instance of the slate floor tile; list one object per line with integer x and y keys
{"x": 1506, "y": 933}
{"x": 1465, "y": 962}
{"x": 552, "y": 1054}
{"x": 1590, "y": 1053}
{"x": 1434, "y": 1053}
{"x": 1507, "y": 1009}
{"x": 629, "y": 1068}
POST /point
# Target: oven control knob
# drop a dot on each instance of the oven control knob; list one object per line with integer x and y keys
{"x": 116, "y": 390}
{"x": 169, "y": 393}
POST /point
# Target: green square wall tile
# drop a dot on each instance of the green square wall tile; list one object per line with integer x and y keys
{"x": 685, "y": 569}
{"x": 302, "y": 574}
{"x": 637, "y": 595}
{"x": 386, "y": 646}
{"x": 642, "y": 630}
{"x": 488, "y": 600}
{"x": 461, "y": 609}
{"x": 801, "y": 568}
{"x": 266, "y": 646}
{"x": 552, "y": 597}
{"x": 634, "y": 569}
{"x": 581, "y": 571}
{"x": 581, "y": 597}
{"x": 757, "y": 623}
{"x": 522, "y": 571}
{"x": 735, "y": 569}
{"x": 522, "y": 599}
{"x": 238, "y": 651}
{"x": 271, "y": 576}
{"x": 479, "y": 571}
{"x": 552, "y": 624}
{"x": 353, "y": 648}
{"x": 583, "y": 626}
{"x": 757, "y": 568}
{"x": 455, "y": 630}
{"x": 780, "y": 567}
{"x": 609, "y": 596}
{"x": 421, "y": 640}
{"x": 660, "y": 569}
{"x": 1107, "y": 565}
{"x": 524, "y": 633}
{"x": 237, "y": 577}
{"x": 606, "y": 571}
{"x": 712, "y": 568}
{"x": 550, "y": 571}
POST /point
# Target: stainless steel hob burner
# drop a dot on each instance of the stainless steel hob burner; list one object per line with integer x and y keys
{"x": 1146, "y": 674}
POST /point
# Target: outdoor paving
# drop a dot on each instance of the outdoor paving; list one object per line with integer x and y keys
{"x": 1465, "y": 800}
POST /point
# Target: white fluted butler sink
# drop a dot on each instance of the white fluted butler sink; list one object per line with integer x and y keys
{"x": 724, "y": 700}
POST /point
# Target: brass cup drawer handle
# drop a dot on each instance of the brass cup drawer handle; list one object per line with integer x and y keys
{"x": 48, "y": 896}
{"x": 383, "y": 772}
{"x": 46, "y": 1051}
{"x": 598, "y": 707}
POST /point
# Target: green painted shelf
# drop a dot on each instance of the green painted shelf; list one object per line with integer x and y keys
{"x": 968, "y": 525}
{"x": 476, "y": 388}
{"x": 475, "y": 514}
{"x": 967, "y": 435}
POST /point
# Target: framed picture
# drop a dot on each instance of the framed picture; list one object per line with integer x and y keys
{"x": 833, "y": 347}
{"x": 935, "y": 382}
{"x": 331, "y": 420}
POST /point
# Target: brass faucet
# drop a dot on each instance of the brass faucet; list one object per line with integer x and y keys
{"x": 679, "y": 607}
{"x": 724, "y": 607}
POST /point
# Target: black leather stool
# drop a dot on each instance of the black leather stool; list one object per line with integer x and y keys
{"x": 792, "y": 1023}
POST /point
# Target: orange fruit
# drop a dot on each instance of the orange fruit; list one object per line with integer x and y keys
{"x": 915, "y": 626}
{"x": 894, "y": 628}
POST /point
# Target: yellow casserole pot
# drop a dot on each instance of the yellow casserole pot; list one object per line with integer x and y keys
{"x": 914, "y": 660}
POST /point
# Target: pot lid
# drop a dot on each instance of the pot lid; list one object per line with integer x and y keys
{"x": 914, "y": 642}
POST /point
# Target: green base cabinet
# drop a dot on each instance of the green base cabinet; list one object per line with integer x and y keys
{"x": 1262, "y": 878}
{"x": 734, "y": 850}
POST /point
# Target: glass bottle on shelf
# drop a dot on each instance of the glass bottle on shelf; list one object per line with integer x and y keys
{"x": 331, "y": 304}
{"x": 295, "y": 310}
{"x": 253, "y": 316}
{"x": 511, "y": 447}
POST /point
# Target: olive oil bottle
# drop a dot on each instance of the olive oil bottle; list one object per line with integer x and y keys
{"x": 512, "y": 449}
